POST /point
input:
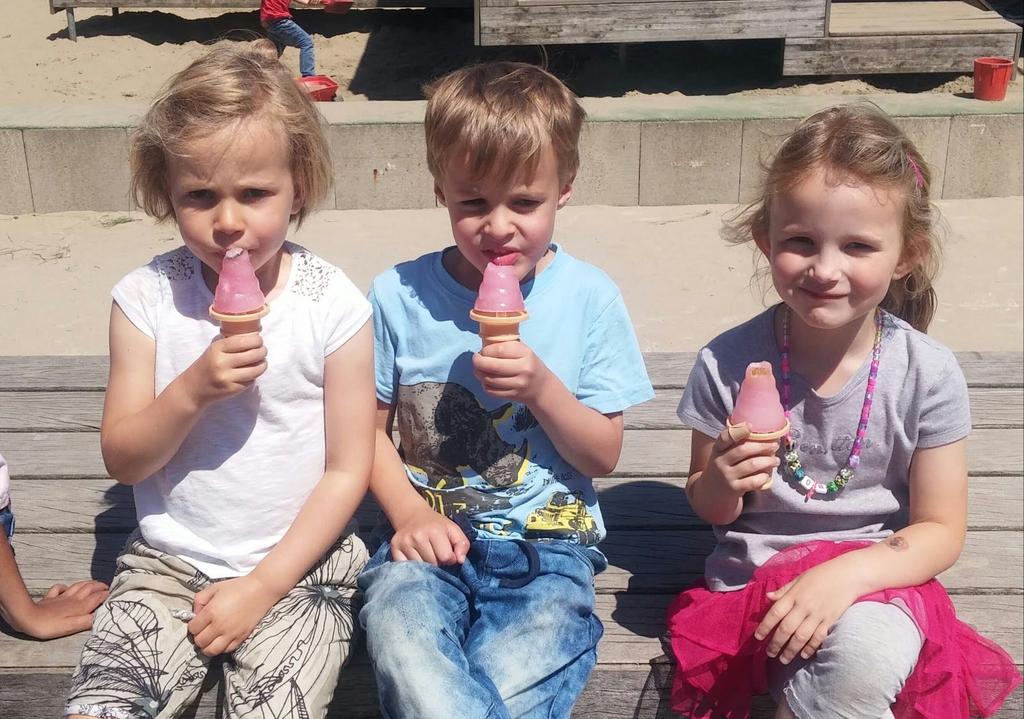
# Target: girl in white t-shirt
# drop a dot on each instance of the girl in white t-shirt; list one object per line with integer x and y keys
{"x": 248, "y": 453}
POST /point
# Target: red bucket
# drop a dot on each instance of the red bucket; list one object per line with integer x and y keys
{"x": 319, "y": 87}
{"x": 338, "y": 6}
{"x": 992, "y": 77}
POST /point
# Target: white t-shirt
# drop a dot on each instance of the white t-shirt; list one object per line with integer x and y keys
{"x": 235, "y": 485}
{"x": 5, "y": 483}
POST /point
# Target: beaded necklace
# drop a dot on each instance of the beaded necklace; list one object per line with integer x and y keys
{"x": 844, "y": 475}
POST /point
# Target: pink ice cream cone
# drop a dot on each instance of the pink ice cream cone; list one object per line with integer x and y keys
{"x": 238, "y": 302}
{"x": 758, "y": 405}
{"x": 499, "y": 305}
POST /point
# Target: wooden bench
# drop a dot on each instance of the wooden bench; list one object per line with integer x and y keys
{"x": 73, "y": 519}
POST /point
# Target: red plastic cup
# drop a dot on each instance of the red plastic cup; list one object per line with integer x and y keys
{"x": 992, "y": 77}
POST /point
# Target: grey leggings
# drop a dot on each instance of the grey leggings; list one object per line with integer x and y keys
{"x": 858, "y": 670}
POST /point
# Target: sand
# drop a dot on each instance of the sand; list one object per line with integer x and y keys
{"x": 380, "y": 55}
{"x": 682, "y": 284}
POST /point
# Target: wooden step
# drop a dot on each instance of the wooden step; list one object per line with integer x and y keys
{"x": 895, "y": 37}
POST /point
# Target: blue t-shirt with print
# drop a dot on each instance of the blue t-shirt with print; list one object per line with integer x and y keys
{"x": 483, "y": 457}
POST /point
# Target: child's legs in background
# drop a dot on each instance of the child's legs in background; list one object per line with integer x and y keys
{"x": 140, "y": 659}
{"x": 287, "y": 32}
{"x": 858, "y": 670}
{"x": 536, "y": 635}
{"x": 289, "y": 665}
{"x": 416, "y": 618}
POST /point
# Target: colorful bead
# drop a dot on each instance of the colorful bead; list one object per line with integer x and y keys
{"x": 845, "y": 474}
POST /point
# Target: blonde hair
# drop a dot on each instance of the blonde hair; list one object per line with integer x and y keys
{"x": 499, "y": 117}
{"x": 229, "y": 85}
{"x": 860, "y": 142}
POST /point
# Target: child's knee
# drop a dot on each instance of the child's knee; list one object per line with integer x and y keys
{"x": 860, "y": 668}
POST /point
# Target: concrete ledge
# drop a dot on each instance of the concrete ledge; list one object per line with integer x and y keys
{"x": 634, "y": 151}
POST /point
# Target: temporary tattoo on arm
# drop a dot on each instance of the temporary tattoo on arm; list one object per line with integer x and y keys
{"x": 898, "y": 544}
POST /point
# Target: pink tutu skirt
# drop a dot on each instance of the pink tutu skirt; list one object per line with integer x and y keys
{"x": 720, "y": 666}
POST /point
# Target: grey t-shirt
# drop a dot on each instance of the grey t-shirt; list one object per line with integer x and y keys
{"x": 920, "y": 401}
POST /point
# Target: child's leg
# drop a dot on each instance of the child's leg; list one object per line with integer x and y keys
{"x": 287, "y": 32}
{"x": 416, "y": 618}
{"x": 537, "y": 641}
{"x": 859, "y": 669}
{"x": 140, "y": 660}
{"x": 289, "y": 665}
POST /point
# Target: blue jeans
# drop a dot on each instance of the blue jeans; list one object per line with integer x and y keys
{"x": 7, "y": 521}
{"x": 287, "y": 33}
{"x": 510, "y": 633}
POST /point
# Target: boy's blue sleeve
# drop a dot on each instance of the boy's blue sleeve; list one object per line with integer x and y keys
{"x": 613, "y": 376}
{"x": 383, "y": 351}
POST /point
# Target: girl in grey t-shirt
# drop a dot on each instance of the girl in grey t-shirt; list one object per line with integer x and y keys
{"x": 821, "y": 587}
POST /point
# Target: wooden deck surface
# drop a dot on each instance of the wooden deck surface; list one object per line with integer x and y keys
{"x": 934, "y": 17}
{"x": 73, "y": 519}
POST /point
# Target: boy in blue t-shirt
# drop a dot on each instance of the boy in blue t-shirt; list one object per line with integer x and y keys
{"x": 480, "y": 604}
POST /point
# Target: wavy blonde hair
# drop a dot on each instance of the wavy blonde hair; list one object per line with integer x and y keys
{"x": 500, "y": 116}
{"x": 858, "y": 141}
{"x": 229, "y": 85}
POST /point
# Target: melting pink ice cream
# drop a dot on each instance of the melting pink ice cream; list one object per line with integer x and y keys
{"x": 238, "y": 290}
{"x": 499, "y": 291}
{"x": 758, "y": 403}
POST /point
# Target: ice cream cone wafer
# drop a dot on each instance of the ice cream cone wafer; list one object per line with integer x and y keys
{"x": 239, "y": 324}
{"x": 763, "y": 436}
{"x": 498, "y": 327}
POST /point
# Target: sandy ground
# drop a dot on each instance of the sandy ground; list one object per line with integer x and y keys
{"x": 381, "y": 55}
{"x": 680, "y": 281}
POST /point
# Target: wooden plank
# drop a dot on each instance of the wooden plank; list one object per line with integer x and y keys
{"x": 892, "y": 53}
{"x": 982, "y": 369}
{"x": 634, "y": 624}
{"x": 82, "y": 411}
{"x": 610, "y": 694}
{"x": 645, "y": 453}
{"x": 642, "y": 503}
{"x": 51, "y": 373}
{"x": 646, "y": 22}
{"x": 943, "y": 17}
{"x": 641, "y": 561}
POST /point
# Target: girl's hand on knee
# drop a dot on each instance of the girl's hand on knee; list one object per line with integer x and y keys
{"x": 739, "y": 465}
{"x": 429, "y": 537}
{"x": 804, "y": 611}
{"x": 227, "y": 612}
{"x": 228, "y": 366}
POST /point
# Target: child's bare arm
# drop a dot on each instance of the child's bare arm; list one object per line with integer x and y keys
{"x": 806, "y": 608}
{"x": 420, "y": 532}
{"x": 723, "y": 469}
{"x": 64, "y": 610}
{"x": 140, "y": 433}
{"x": 590, "y": 441}
{"x": 227, "y": 612}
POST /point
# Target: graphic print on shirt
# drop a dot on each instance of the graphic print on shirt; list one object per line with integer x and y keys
{"x": 473, "y": 461}
{"x": 449, "y": 437}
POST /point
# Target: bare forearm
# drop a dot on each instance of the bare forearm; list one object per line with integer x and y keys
{"x": 715, "y": 505}
{"x": 14, "y": 599}
{"x": 590, "y": 441}
{"x": 315, "y": 529}
{"x": 389, "y": 483}
{"x": 136, "y": 446}
{"x": 910, "y": 557}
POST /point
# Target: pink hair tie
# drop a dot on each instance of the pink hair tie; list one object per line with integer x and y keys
{"x": 917, "y": 173}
